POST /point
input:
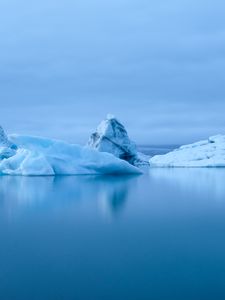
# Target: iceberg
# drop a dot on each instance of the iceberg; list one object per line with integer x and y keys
{"x": 112, "y": 137}
{"x": 41, "y": 156}
{"x": 206, "y": 153}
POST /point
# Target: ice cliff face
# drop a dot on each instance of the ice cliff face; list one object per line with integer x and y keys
{"x": 111, "y": 136}
{"x": 4, "y": 142}
{"x": 206, "y": 153}
{"x": 7, "y": 149}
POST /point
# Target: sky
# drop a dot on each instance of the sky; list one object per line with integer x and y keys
{"x": 159, "y": 66}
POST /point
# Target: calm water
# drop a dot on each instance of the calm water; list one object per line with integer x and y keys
{"x": 157, "y": 149}
{"x": 156, "y": 236}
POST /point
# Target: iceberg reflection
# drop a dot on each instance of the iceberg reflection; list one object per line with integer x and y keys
{"x": 108, "y": 192}
{"x": 203, "y": 181}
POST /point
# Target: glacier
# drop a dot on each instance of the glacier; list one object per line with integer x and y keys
{"x": 206, "y": 153}
{"x": 112, "y": 137}
{"x": 29, "y": 155}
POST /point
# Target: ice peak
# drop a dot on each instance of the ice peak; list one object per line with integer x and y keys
{"x": 7, "y": 149}
{"x": 112, "y": 137}
{"x": 4, "y": 142}
{"x": 110, "y": 117}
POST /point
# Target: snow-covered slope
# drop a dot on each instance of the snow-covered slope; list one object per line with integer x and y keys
{"x": 207, "y": 153}
{"x": 111, "y": 136}
{"x": 42, "y": 156}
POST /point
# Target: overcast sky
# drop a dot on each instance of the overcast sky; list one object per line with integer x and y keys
{"x": 159, "y": 66}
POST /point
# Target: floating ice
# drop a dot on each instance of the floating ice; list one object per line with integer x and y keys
{"x": 42, "y": 156}
{"x": 206, "y": 153}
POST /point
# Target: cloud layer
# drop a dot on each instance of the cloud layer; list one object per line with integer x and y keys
{"x": 158, "y": 65}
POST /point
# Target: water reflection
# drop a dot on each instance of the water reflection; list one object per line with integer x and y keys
{"x": 167, "y": 230}
{"x": 109, "y": 192}
{"x": 201, "y": 181}
{"x": 113, "y": 194}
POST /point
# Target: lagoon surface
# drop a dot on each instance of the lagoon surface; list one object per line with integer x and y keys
{"x": 160, "y": 235}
